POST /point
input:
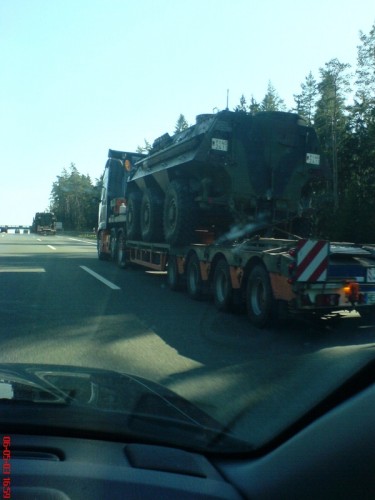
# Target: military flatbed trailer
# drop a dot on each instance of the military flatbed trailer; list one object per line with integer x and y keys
{"x": 200, "y": 204}
{"x": 271, "y": 278}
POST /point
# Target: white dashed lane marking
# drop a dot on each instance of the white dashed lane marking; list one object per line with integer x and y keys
{"x": 100, "y": 278}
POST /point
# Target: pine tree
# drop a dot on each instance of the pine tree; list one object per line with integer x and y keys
{"x": 254, "y": 106}
{"x": 74, "y": 199}
{"x": 360, "y": 146}
{"x": 272, "y": 101}
{"x": 242, "y": 106}
{"x": 181, "y": 124}
{"x": 306, "y": 100}
{"x": 146, "y": 148}
{"x": 330, "y": 118}
{"x": 366, "y": 68}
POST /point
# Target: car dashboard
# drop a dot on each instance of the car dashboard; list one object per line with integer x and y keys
{"x": 331, "y": 457}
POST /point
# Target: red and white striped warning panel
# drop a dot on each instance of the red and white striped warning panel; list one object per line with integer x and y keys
{"x": 312, "y": 260}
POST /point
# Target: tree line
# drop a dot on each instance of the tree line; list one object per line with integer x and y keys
{"x": 74, "y": 200}
{"x": 339, "y": 104}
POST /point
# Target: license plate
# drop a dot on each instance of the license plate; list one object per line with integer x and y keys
{"x": 312, "y": 159}
{"x": 219, "y": 144}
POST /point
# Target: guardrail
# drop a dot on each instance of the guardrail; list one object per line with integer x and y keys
{"x": 12, "y": 229}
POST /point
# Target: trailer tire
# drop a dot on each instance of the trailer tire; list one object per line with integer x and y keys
{"x": 120, "y": 251}
{"x": 194, "y": 280}
{"x": 151, "y": 219}
{"x": 179, "y": 214}
{"x": 222, "y": 285}
{"x": 173, "y": 276}
{"x": 260, "y": 303}
{"x": 133, "y": 230}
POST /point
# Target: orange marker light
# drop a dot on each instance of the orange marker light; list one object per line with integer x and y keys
{"x": 351, "y": 290}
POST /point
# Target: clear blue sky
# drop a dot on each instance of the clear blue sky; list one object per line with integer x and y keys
{"x": 79, "y": 77}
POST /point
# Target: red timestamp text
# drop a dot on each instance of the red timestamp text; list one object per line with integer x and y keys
{"x": 6, "y": 468}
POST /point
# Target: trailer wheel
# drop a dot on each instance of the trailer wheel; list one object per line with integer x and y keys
{"x": 194, "y": 280}
{"x": 223, "y": 292}
{"x": 173, "y": 276}
{"x": 151, "y": 216}
{"x": 260, "y": 303}
{"x": 179, "y": 214}
{"x": 133, "y": 231}
{"x": 120, "y": 251}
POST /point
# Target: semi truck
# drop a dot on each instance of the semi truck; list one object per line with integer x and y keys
{"x": 44, "y": 223}
{"x": 224, "y": 207}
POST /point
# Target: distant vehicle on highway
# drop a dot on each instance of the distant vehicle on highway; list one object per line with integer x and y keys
{"x": 4, "y": 229}
{"x": 44, "y": 223}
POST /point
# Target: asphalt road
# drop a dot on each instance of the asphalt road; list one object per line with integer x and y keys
{"x": 60, "y": 304}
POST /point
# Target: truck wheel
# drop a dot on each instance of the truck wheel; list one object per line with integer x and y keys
{"x": 260, "y": 303}
{"x": 174, "y": 278}
{"x": 223, "y": 292}
{"x": 194, "y": 280}
{"x": 151, "y": 216}
{"x": 120, "y": 251}
{"x": 133, "y": 231}
{"x": 179, "y": 215}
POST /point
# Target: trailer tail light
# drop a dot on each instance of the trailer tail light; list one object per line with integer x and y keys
{"x": 327, "y": 299}
{"x": 352, "y": 293}
{"x": 351, "y": 290}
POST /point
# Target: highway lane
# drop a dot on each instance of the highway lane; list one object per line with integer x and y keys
{"x": 60, "y": 304}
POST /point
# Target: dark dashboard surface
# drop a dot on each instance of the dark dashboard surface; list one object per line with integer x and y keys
{"x": 333, "y": 457}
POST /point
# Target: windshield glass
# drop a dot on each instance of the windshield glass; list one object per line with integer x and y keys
{"x": 187, "y": 249}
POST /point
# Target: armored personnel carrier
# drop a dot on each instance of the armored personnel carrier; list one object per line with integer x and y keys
{"x": 228, "y": 170}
